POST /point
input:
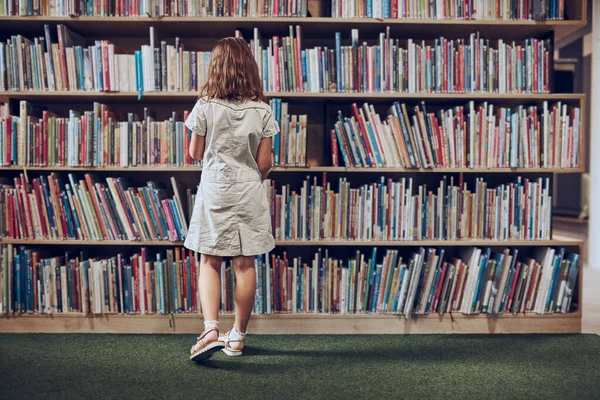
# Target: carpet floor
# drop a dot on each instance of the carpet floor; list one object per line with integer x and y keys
{"x": 311, "y": 367}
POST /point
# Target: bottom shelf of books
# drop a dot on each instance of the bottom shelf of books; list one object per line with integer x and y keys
{"x": 299, "y": 290}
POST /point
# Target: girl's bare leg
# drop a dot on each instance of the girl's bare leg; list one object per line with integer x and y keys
{"x": 210, "y": 289}
{"x": 245, "y": 289}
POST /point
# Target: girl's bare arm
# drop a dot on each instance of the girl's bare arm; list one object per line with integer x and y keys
{"x": 263, "y": 157}
{"x": 197, "y": 147}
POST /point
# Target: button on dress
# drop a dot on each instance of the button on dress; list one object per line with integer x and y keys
{"x": 231, "y": 214}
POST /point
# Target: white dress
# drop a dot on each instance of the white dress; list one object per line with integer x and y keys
{"x": 231, "y": 214}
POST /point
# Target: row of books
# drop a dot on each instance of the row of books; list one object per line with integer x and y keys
{"x": 289, "y": 146}
{"x": 425, "y": 282}
{"x": 401, "y": 9}
{"x": 157, "y": 8}
{"x": 86, "y": 209}
{"x": 62, "y": 62}
{"x": 97, "y": 138}
{"x": 454, "y": 9}
{"x": 94, "y": 138}
{"x": 421, "y": 282}
{"x": 469, "y": 65}
{"x": 442, "y": 65}
{"x": 471, "y": 136}
{"x": 46, "y": 282}
{"x": 402, "y": 210}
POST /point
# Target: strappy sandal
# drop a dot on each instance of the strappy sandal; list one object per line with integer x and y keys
{"x": 230, "y": 351}
{"x": 204, "y": 350}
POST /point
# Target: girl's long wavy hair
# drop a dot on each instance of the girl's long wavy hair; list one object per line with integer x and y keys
{"x": 232, "y": 73}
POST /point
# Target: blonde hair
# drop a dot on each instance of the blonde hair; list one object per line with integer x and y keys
{"x": 232, "y": 73}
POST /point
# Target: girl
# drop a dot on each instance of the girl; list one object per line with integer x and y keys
{"x": 232, "y": 128}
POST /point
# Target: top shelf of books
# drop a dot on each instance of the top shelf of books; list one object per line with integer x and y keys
{"x": 313, "y": 27}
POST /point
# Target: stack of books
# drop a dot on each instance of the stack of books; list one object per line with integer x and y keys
{"x": 86, "y": 209}
{"x": 410, "y": 283}
{"x": 157, "y": 8}
{"x": 505, "y": 10}
{"x": 403, "y": 210}
{"x": 473, "y": 136}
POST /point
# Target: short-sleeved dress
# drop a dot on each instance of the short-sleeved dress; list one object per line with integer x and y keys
{"x": 231, "y": 214}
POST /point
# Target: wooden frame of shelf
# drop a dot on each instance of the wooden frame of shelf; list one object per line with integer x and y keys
{"x": 391, "y": 170}
{"x": 298, "y": 323}
{"x": 76, "y": 96}
{"x": 293, "y": 243}
{"x": 314, "y": 28}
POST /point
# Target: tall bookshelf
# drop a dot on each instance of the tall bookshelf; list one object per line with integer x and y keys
{"x": 130, "y": 32}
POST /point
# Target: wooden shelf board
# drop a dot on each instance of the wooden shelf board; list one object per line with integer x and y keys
{"x": 194, "y": 169}
{"x": 312, "y": 27}
{"x": 299, "y": 323}
{"x": 294, "y": 243}
{"x": 149, "y": 97}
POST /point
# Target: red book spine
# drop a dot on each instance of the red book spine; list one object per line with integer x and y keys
{"x": 186, "y": 140}
{"x": 90, "y": 187}
{"x": 145, "y": 279}
{"x": 105, "y": 66}
{"x": 136, "y": 285}
{"x": 194, "y": 280}
{"x": 170, "y": 223}
{"x": 63, "y": 56}
{"x": 535, "y": 66}
{"x": 363, "y": 133}
{"x": 394, "y": 9}
{"x": 75, "y": 286}
{"x": 27, "y": 207}
{"x": 334, "y": 149}
{"x": 276, "y": 61}
{"x": 42, "y": 211}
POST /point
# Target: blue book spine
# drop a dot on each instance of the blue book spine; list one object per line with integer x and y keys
{"x": 371, "y": 134}
{"x": 79, "y": 67}
{"x": 18, "y": 282}
{"x": 481, "y": 278}
{"x": 70, "y": 225}
{"x": 338, "y": 60}
{"x": 174, "y": 282}
{"x": 369, "y": 8}
{"x": 341, "y": 146}
{"x": 555, "y": 275}
{"x": 139, "y": 79}
{"x": 265, "y": 69}
{"x": 387, "y": 12}
{"x": 375, "y": 290}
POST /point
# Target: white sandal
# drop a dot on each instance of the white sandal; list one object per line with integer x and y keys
{"x": 204, "y": 350}
{"x": 230, "y": 351}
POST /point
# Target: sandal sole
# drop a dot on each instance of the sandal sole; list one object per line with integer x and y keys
{"x": 207, "y": 352}
{"x": 232, "y": 353}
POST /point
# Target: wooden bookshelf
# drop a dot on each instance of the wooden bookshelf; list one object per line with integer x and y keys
{"x": 283, "y": 170}
{"x": 318, "y": 30}
{"x": 299, "y": 97}
{"x": 291, "y": 243}
{"x": 314, "y": 27}
{"x": 299, "y": 323}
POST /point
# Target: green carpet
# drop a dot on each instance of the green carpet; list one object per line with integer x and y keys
{"x": 284, "y": 367}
